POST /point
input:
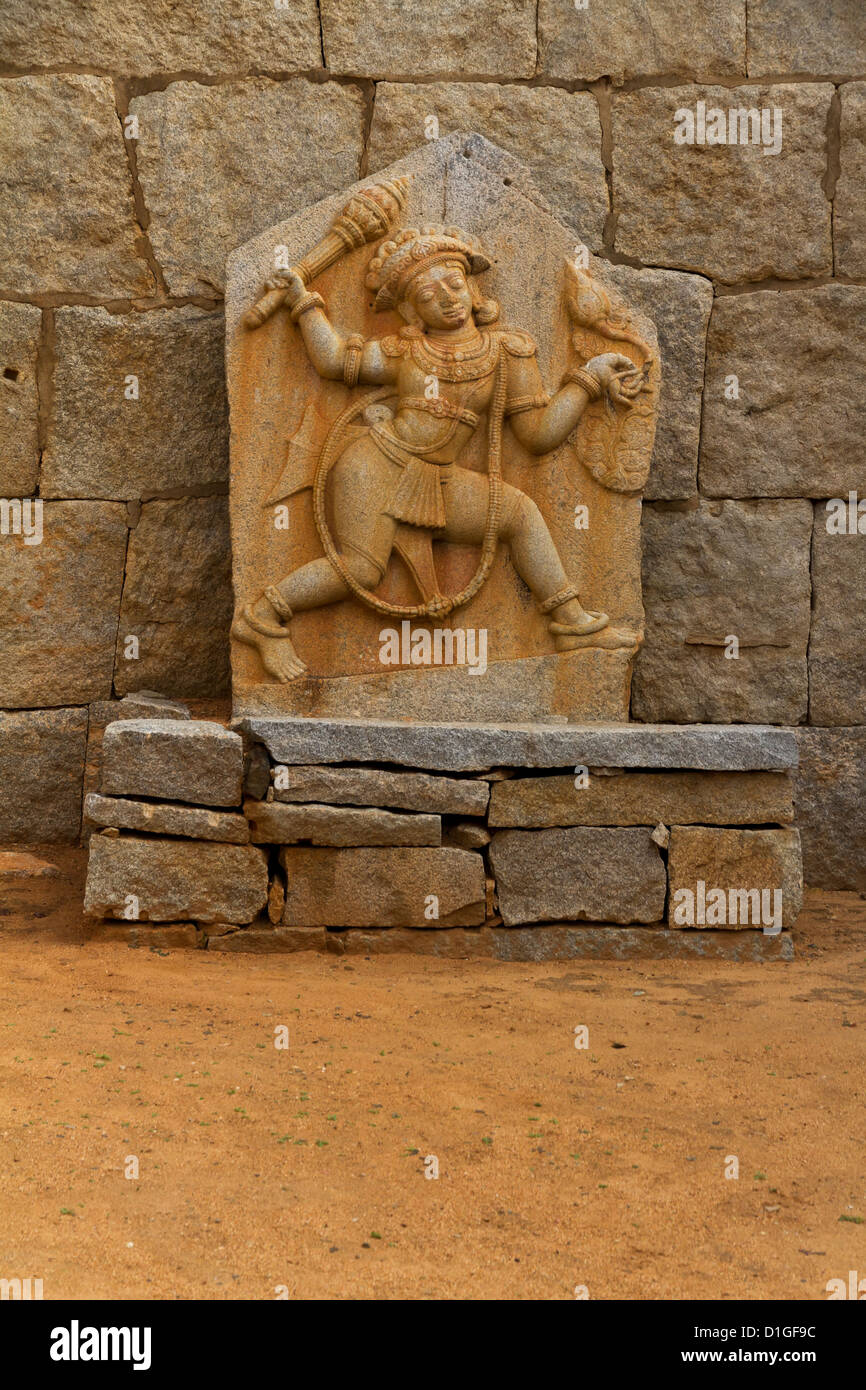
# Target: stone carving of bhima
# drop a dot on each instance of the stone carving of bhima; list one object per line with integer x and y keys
{"x": 390, "y": 465}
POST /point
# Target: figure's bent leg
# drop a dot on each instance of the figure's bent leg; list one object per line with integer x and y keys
{"x": 533, "y": 551}
{"x": 537, "y": 562}
{"x": 364, "y": 540}
{"x": 264, "y": 624}
{"x": 535, "y": 558}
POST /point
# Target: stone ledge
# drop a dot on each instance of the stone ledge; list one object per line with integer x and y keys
{"x": 520, "y": 944}
{"x": 476, "y": 747}
{"x": 636, "y": 943}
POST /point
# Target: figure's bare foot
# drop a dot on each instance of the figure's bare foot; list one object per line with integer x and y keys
{"x": 608, "y": 639}
{"x": 276, "y": 652}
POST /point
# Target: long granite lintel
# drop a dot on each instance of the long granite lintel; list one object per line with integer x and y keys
{"x": 477, "y": 747}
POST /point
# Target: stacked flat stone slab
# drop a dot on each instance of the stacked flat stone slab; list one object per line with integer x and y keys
{"x": 524, "y": 843}
{"x": 273, "y": 823}
{"x": 174, "y": 846}
{"x": 194, "y": 761}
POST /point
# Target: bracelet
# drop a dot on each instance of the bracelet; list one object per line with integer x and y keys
{"x": 352, "y": 364}
{"x": 311, "y": 300}
{"x": 585, "y": 380}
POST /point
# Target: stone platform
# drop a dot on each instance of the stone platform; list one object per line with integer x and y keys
{"x": 451, "y": 747}
{"x": 518, "y": 842}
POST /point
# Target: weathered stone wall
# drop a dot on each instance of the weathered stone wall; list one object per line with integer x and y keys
{"x": 141, "y": 141}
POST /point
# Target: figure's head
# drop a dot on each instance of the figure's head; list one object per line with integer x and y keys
{"x": 427, "y": 275}
{"x": 438, "y": 297}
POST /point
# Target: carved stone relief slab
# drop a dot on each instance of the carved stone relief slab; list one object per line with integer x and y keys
{"x": 441, "y": 421}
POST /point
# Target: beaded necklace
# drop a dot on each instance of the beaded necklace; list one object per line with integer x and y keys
{"x": 456, "y": 364}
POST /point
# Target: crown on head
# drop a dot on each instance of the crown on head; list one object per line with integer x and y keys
{"x": 414, "y": 249}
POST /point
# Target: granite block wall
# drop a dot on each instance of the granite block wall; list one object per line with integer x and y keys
{"x": 141, "y": 141}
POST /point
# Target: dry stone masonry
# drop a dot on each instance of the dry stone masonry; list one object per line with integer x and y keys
{"x": 145, "y": 144}
{"x": 499, "y": 861}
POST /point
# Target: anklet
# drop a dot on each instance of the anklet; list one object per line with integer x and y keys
{"x": 558, "y": 599}
{"x": 261, "y": 627}
{"x": 278, "y": 603}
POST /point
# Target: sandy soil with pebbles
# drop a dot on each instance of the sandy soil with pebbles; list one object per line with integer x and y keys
{"x": 304, "y": 1168}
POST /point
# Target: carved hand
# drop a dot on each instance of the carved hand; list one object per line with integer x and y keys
{"x": 617, "y": 375}
{"x": 290, "y": 282}
{"x": 607, "y": 365}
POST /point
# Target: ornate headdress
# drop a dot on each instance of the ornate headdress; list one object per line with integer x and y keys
{"x": 414, "y": 249}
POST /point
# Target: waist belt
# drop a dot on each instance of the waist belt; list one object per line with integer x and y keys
{"x": 446, "y": 410}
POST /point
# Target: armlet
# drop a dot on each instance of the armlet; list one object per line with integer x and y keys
{"x": 517, "y": 404}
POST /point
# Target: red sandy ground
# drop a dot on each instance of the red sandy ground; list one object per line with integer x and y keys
{"x": 304, "y": 1168}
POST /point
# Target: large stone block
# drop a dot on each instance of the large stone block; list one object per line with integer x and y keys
{"x": 20, "y": 326}
{"x": 641, "y": 38}
{"x": 41, "y": 770}
{"x": 796, "y": 429}
{"x": 280, "y": 823}
{"x": 66, "y": 194}
{"x": 773, "y": 218}
{"x": 679, "y": 305}
{"x": 849, "y": 212}
{"x": 218, "y": 164}
{"x": 476, "y": 747}
{"x": 514, "y": 689}
{"x": 556, "y": 134}
{"x": 579, "y": 874}
{"x": 173, "y": 434}
{"x": 383, "y": 887}
{"x": 373, "y": 786}
{"x": 837, "y": 650}
{"x": 393, "y": 39}
{"x": 174, "y": 880}
{"x": 643, "y": 798}
{"x": 175, "y": 760}
{"x": 830, "y": 802}
{"x": 177, "y": 600}
{"x": 61, "y": 598}
{"x": 144, "y": 37}
{"x": 789, "y": 36}
{"x": 734, "y": 862}
{"x": 711, "y": 572}
{"x": 161, "y": 818}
